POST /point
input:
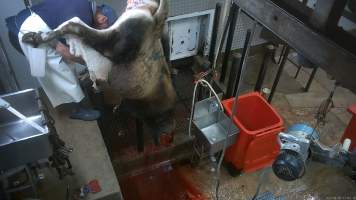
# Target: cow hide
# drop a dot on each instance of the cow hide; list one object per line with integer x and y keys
{"x": 98, "y": 66}
{"x": 127, "y": 59}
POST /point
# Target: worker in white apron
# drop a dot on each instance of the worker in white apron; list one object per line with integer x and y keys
{"x": 52, "y": 63}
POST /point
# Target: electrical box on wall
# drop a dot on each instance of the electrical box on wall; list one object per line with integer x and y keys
{"x": 190, "y": 34}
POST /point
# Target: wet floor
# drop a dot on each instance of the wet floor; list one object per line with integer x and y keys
{"x": 160, "y": 183}
{"x": 187, "y": 182}
{"x": 295, "y": 106}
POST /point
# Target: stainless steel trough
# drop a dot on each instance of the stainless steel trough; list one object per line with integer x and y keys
{"x": 21, "y": 143}
{"x": 214, "y": 126}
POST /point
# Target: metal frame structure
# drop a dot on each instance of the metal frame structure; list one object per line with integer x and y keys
{"x": 230, "y": 28}
{"x": 321, "y": 51}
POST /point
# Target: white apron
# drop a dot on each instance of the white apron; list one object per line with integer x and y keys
{"x": 54, "y": 75}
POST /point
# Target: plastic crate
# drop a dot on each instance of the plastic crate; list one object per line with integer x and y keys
{"x": 256, "y": 146}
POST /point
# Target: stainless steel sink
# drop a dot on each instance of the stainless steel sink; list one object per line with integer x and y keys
{"x": 20, "y": 143}
{"x": 213, "y": 126}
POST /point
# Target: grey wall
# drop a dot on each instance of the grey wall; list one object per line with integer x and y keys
{"x": 17, "y": 61}
{"x": 8, "y": 81}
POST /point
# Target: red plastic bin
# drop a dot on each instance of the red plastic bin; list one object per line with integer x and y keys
{"x": 256, "y": 146}
{"x": 350, "y": 131}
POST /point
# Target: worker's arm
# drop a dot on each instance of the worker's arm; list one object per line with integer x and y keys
{"x": 63, "y": 50}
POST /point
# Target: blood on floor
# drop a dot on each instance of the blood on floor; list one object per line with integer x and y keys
{"x": 162, "y": 183}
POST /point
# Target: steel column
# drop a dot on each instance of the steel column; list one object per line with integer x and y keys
{"x": 245, "y": 53}
{"x": 279, "y": 73}
{"x": 215, "y": 32}
{"x": 232, "y": 26}
{"x": 236, "y": 59}
{"x": 311, "y": 78}
{"x": 281, "y": 55}
{"x": 298, "y": 70}
{"x": 261, "y": 75}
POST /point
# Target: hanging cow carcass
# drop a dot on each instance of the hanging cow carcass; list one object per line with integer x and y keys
{"x": 127, "y": 59}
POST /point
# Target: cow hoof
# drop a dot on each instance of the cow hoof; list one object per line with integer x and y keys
{"x": 32, "y": 38}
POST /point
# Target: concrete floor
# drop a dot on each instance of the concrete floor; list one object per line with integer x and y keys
{"x": 89, "y": 158}
{"x": 295, "y": 106}
{"x": 320, "y": 181}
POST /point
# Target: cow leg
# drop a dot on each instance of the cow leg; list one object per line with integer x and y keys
{"x": 74, "y": 26}
{"x": 160, "y": 17}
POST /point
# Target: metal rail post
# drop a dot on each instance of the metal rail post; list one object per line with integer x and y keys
{"x": 279, "y": 73}
{"x": 261, "y": 75}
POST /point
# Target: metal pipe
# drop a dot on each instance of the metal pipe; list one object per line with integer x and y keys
{"x": 261, "y": 75}
{"x": 282, "y": 53}
{"x": 311, "y": 78}
{"x": 279, "y": 73}
{"x": 215, "y": 32}
{"x": 245, "y": 53}
{"x": 200, "y": 93}
{"x": 222, "y": 38}
{"x": 232, "y": 26}
{"x": 297, "y": 73}
{"x": 236, "y": 59}
{"x": 260, "y": 181}
{"x": 201, "y": 81}
{"x": 234, "y": 106}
